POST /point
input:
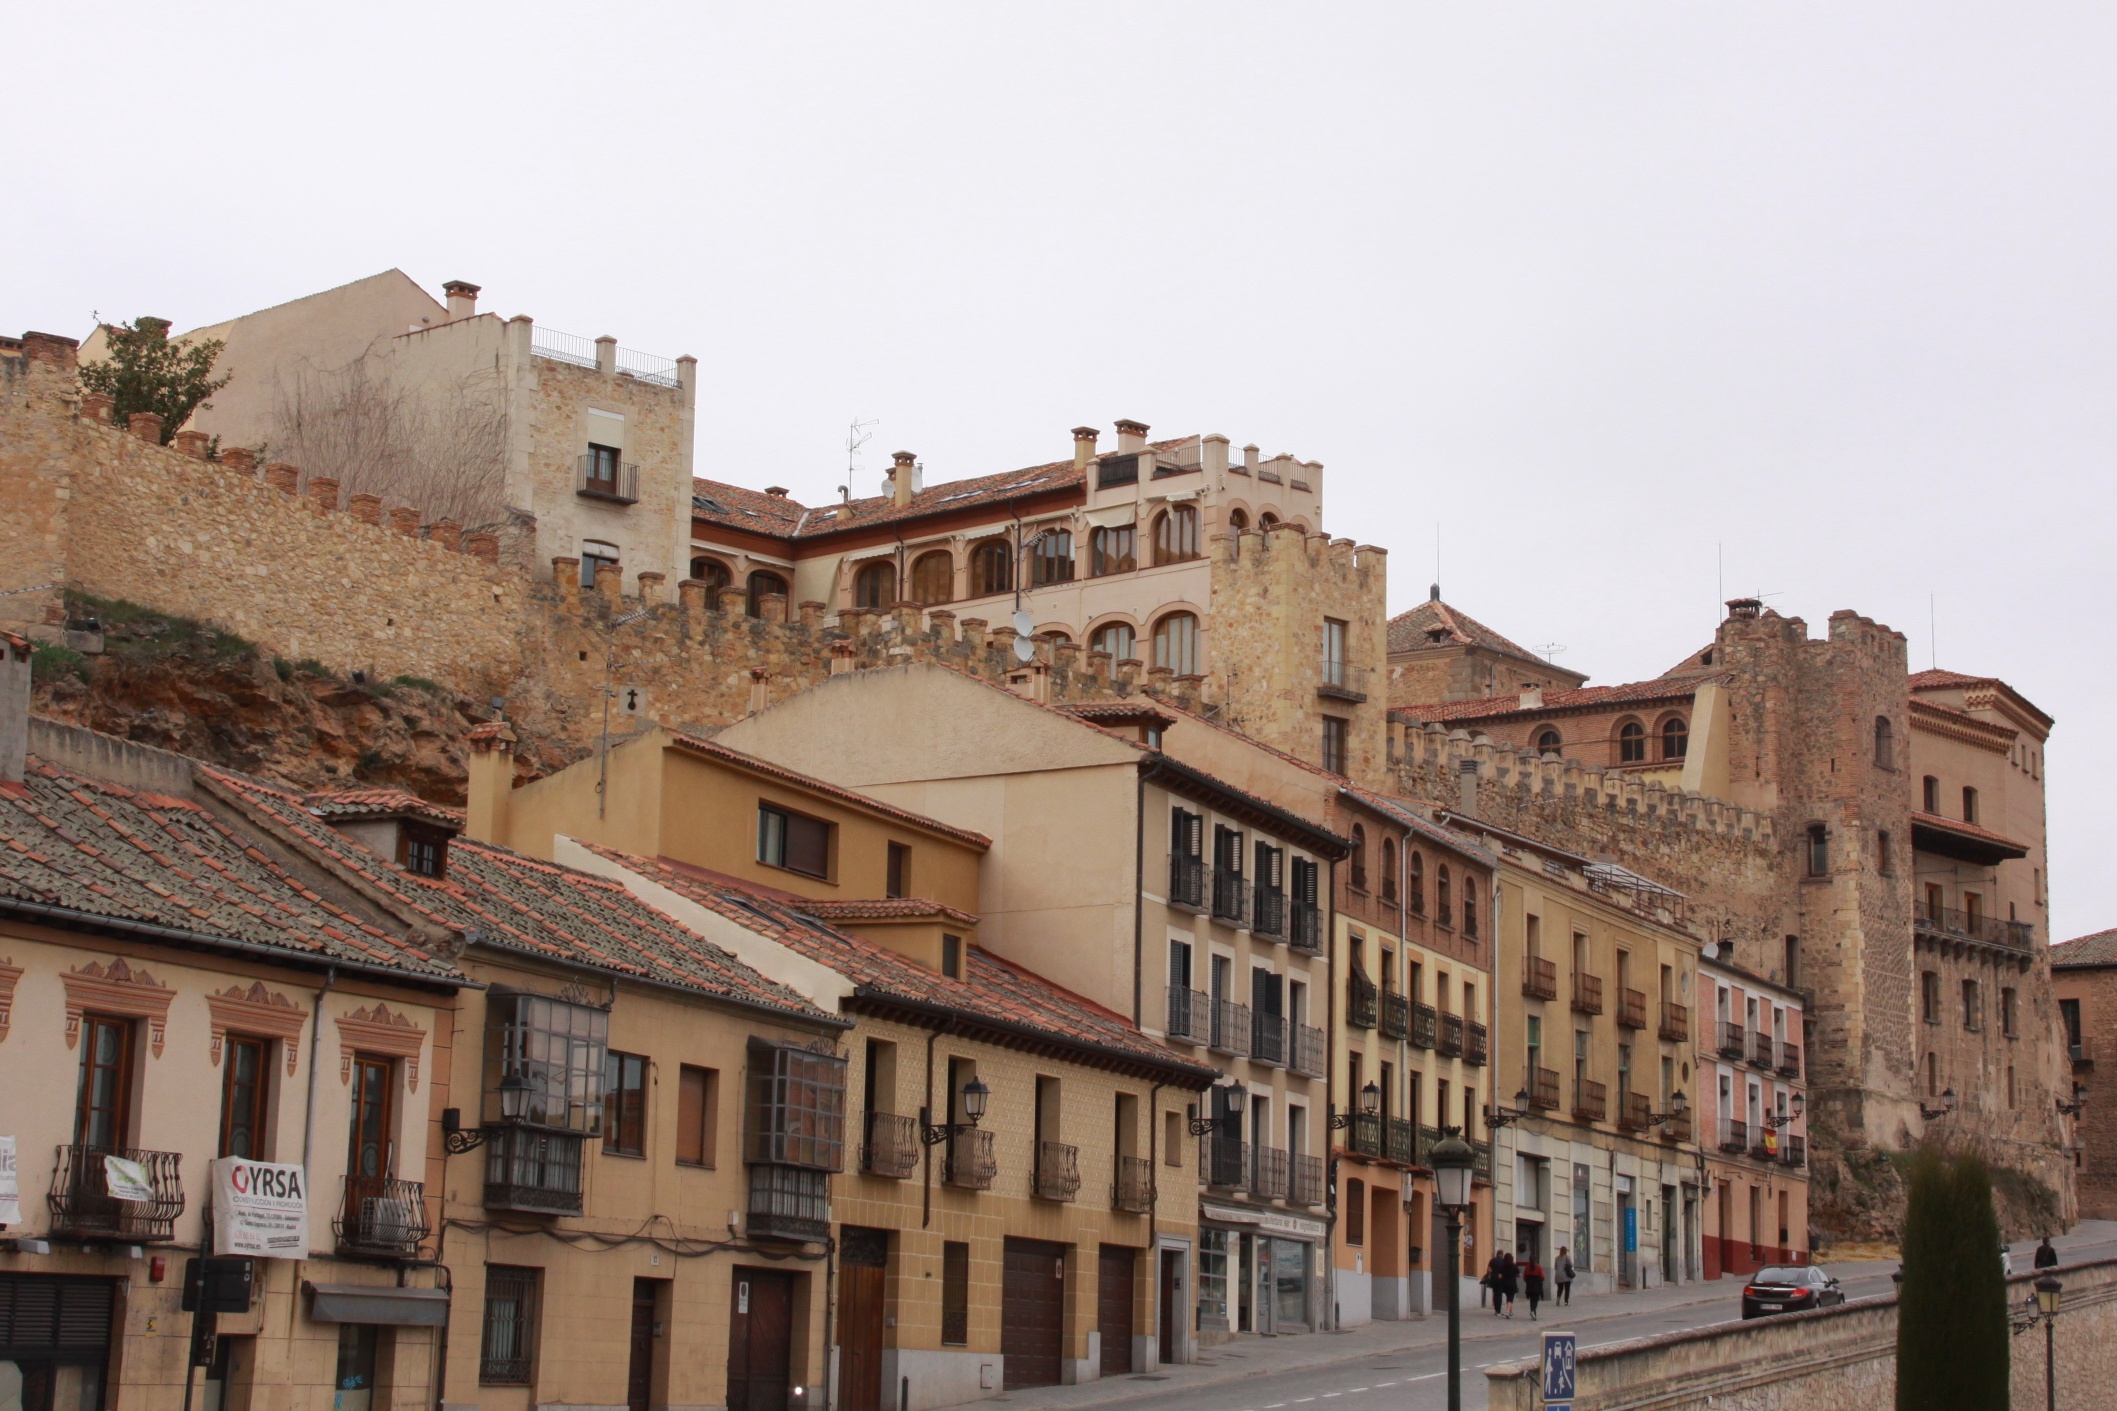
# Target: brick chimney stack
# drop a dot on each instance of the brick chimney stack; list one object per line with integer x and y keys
{"x": 491, "y": 783}
{"x": 14, "y": 706}
{"x": 462, "y": 299}
{"x": 903, "y": 478}
{"x": 1084, "y": 438}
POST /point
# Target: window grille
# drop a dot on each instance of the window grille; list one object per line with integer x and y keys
{"x": 509, "y": 1344}
{"x": 796, "y": 1107}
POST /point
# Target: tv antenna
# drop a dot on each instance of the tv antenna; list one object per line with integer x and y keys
{"x": 1550, "y": 651}
{"x": 856, "y": 436}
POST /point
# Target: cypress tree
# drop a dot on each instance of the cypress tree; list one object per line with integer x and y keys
{"x": 1952, "y": 1336}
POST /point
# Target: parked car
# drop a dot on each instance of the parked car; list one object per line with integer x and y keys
{"x": 1789, "y": 1288}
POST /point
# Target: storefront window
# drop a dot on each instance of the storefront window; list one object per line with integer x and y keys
{"x": 1213, "y": 1279}
{"x": 356, "y": 1367}
{"x": 1289, "y": 1268}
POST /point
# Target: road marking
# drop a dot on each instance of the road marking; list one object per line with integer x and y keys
{"x": 1329, "y": 1394}
{"x": 1427, "y": 1376}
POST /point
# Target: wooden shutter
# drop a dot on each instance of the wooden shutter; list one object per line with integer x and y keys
{"x": 694, "y": 1117}
{"x": 808, "y": 846}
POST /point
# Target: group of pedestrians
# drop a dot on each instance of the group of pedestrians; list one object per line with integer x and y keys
{"x": 1506, "y": 1277}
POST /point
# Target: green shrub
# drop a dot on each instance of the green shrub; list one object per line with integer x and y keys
{"x": 417, "y": 683}
{"x": 1952, "y": 1334}
{"x": 49, "y": 662}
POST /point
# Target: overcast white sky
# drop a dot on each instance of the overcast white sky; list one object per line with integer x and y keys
{"x": 1596, "y": 289}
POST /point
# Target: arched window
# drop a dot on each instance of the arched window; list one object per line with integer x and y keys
{"x": 933, "y": 577}
{"x": 1267, "y": 520}
{"x": 1632, "y": 743}
{"x": 1442, "y": 911}
{"x": 1054, "y": 635}
{"x": 1417, "y": 900}
{"x": 874, "y": 585}
{"x": 1359, "y": 858}
{"x": 763, "y": 584}
{"x": 1237, "y": 521}
{"x": 1176, "y": 643}
{"x": 1884, "y": 742}
{"x": 1549, "y": 742}
{"x": 1176, "y": 534}
{"x": 1051, "y": 558}
{"x": 1675, "y": 737}
{"x": 1115, "y": 638}
{"x": 1112, "y": 549}
{"x": 714, "y": 574}
{"x": 1469, "y": 907}
{"x": 991, "y": 568}
{"x": 1389, "y": 869}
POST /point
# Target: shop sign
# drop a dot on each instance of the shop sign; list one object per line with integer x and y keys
{"x": 260, "y": 1209}
{"x": 10, "y": 1188}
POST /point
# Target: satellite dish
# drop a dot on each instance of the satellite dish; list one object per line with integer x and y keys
{"x": 1024, "y": 624}
{"x": 1024, "y": 649}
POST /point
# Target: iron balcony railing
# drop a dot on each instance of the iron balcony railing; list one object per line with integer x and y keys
{"x": 1190, "y": 1014}
{"x": 1790, "y": 1060}
{"x": 1223, "y": 1161}
{"x": 1678, "y": 1127}
{"x": 533, "y": 1170}
{"x": 1631, "y": 1009}
{"x": 1400, "y": 1140}
{"x": 1956, "y": 923}
{"x": 1734, "y": 1135}
{"x": 1132, "y": 1185}
{"x": 82, "y": 1207}
{"x": 1268, "y": 1038}
{"x": 1309, "y": 1051}
{"x": 381, "y": 1216}
{"x": 1058, "y": 1171}
{"x": 891, "y": 1147}
{"x": 1450, "y": 1042}
{"x": 1359, "y": 1001}
{"x": 1591, "y": 1100}
{"x": 1306, "y": 1184}
{"x": 1187, "y": 881}
{"x": 2081, "y": 1051}
{"x": 1675, "y": 1022}
{"x": 1343, "y": 681}
{"x": 1793, "y": 1150}
{"x": 583, "y": 352}
{"x": 1231, "y": 897}
{"x": 1268, "y": 1174}
{"x": 1476, "y": 1045}
{"x": 1734, "y": 1042}
{"x": 1764, "y": 1144}
{"x": 599, "y": 479}
{"x": 1395, "y": 1016}
{"x": 1268, "y": 911}
{"x": 1307, "y": 931}
{"x": 1539, "y": 977}
{"x": 1587, "y": 994}
{"x": 1634, "y": 1111}
{"x": 1425, "y": 1024}
{"x": 1760, "y": 1050}
{"x": 1543, "y": 1089}
{"x": 971, "y": 1163}
{"x": 1365, "y": 1134}
{"x": 1481, "y": 1159}
{"x": 1231, "y": 1028}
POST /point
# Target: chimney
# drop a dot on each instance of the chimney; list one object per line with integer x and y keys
{"x": 1131, "y": 436}
{"x": 1744, "y": 607}
{"x": 492, "y": 782}
{"x": 1532, "y": 698}
{"x": 462, "y": 298}
{"x": 1466, "y": 787}
{"x": 1433, "y": 594}
{"x": 903, "y": 478}
{"x": 14, "y": 706}
{"x": 777, "y": 492}
{"x": 1084, "y": 438}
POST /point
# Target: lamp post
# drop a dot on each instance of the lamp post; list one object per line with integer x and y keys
{"x": 1497, "y": 1116}
{"x": 2047, "y": 1291}
{"x": 514, "y": 1092}
{"x": 1370, "y": 1104}
{"x": 974, "y": 1095}
{"x": 1453, "y": 1161}
{"x": 1232, "y": 1096}
{"x": 1934, "y": 1114}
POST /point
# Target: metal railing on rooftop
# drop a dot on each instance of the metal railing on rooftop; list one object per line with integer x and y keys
{"x": 583, "y": 352}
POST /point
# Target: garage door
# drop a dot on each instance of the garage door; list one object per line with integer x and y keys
{"x": 1113, "y": 1308}
{"x": 1033, "y": 1317}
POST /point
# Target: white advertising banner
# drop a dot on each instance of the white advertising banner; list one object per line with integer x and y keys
{"x": 10, "y": 1188}
{"x": 127, "y": 1180}
{"x": 260, "y": 1209}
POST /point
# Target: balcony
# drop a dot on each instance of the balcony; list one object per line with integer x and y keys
{"x": 1307, "y": 931}
{"x": 971, "y": 1164}
{"x": 1539, "y": 978}
{"x": 1231, "y": 897}
{"x": 2082, "y": 1052}
{"x": 1366, "y": 1134}
{"x": 1476, "y": 1045}
{"x": 1793, "y": 1151}
{"x": 1734, "y": 1136}
{"x": 1058, "y": 1172}
{"x": 791, "y": 1203}
{"x": 1187, "y": 882}
{"x": 1305, "y": 1186}
{"x": 1761, "y": 1054}
{"x": 1310, "y": 1053}
{"x": 381, "y": 1217}
{"x": 1587, "y": 994}
{"x": 1543, "y": 1089}
{"x": 1734, "y": 1042}
{"x": 1268, "y": 1173}
{"x": 1449, "y": 1043}
{"x": 534, "y": 1171}
{"x": 1790, "y": 1060}
{"x": 1231, "y": 1028}
{"x": 1481, "y": 1161}
{"x": 1132, "y": 1185}
{"x": 1591, "y": 1100}
{"x": 1400, "y": 1140}
{"x": 1190, "y": 1014}
{"x": 1268, "y": 911}
{"x": 1223, "y": 1162}
{"x": 891, "y": 1147}
{"x": 599, "y": 479}
{"x": 1675, "y": 1022}
{"x": 1678, "y": 1128}
{"x": 1764, "y": 1144}
{"x": 1631, "y": 1009}
{"x": 1341, "y": 682}
{"x": 82, "y": 1207}
{"x": 1425, "y": 1025}
{"x": 1359, "y": 1001}
{"x": 1396, "y": 1016}
{"x": 1634, "y": 1112}
{"x": 1268, "y": 1038}
{"x": 1950, "y": 923}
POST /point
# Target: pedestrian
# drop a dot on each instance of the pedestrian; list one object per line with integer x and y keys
{"x": 1533, "y": 1284}
{"x": 1510, "y": 1282}
{"x": 2046, "y": 1257}
{"x": 1492, "y": 1279}
{"x": 2006, "y": 1262}
{"x": 1562, "y": 1275}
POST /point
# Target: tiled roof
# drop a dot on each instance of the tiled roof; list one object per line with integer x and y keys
{"x": 2099, "y": 948}
{"x": 891, "y": 909}
{"x": 494, "y": 896}
{"x": 1941, "y": 680}
{"x": 1631, "y": 693}
{"x": 1122, "y": 711}
{"x": 699, "y": 744}
{"x": 1408, "y": 631}
{"x": 740, "y": 508}
{"x": 1405, "y": 811}
{"x": 90, "y": 846}
{"x": 1968, "y": 830}
{"x": 383, "y": 803}
{"x": 992, "y": 990}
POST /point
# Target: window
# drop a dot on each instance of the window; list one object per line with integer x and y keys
{"x": 1334, "y": 744}
{"x": 1356, "y": 1211}
{"x": 1389, "y": 869}
{"x": 874, "y": 585}
{"x": 244, "y": 1084}
{"x": 697, "y": 1116}
{"x": 1972, "y": 1009}
{"x": 373, "y": 1130}
{"x": 1817, "y": 838}
{"x": 1051, "y": 558}
{"x": 1359, "y": 858}
{"x": 1115, "y": 638}
{"x": 796, "y": 1107}
{"x": 1417, "y": 883}
{"x": 1469, "y": 907}
{"x": 356, "y": 1366}
{"x": 1675, "y": 737}
{"x": 1933, "y": 794}
{"x": 1237, "y": 521}
{"x": 1443, "y": 909}
{"x": 1936, "y": 901}
{"x": 1112, "y": 549}
{"x": 422, "y": 850}
{"x": 1884, "y": 743}
{"x": 624, "y": 1104}
{"x": 1632, "y": 743}
{"x": 714, "y": 574}
{"x": 1176, "y": 534}
{"x": 792, "y": 841}
{"x": 2069, "y": 1017}
{"x": 601, "y": 468}
{"x": 1973, "y": 911}
{"x": 508, "y": 1347}
{"x": 763, "y": 585}
{"x": 1933, "y": 1076}
{"x": 1213, "y": 1279}
{"x": 933, "y": 578}
{"x": 594, "y": 552}
{"x": 1969, "y": 804}
{"x": 557, "y": 1048}
{"x": 991, "y": 568}
{"x": 1334, "y": 673}
{"x": 2006, "y": 1012}
{"x": 1549, "y": 742}
{"x": 955, "y": 1293}
{"x": 1176, "y": 643}
{"x": 898, "y": 881}
{"x": 1884, "y": 860}
{"x": 952, "y": 957}
{"x": 1267, "y": 520}
{"x": 1929, "y": 997}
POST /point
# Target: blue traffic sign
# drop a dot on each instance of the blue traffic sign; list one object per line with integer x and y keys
{"x": 1560, "y": 1352}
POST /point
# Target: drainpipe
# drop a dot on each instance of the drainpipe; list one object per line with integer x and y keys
{"x": 926, "y": 1112}
{"x": 1139, "y": 883}
{"x": 1330, "y": 1088}
{"x": 308, "y": 1129}
{"x": 1154, "y": 1209}
{"x": 830, "y": 1302}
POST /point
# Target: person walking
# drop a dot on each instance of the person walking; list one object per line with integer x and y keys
{"x": 1510, "y": 1282}
{"x": 1562, "y": 1276}
{"x": 1492, "y": 1278}
{"x": 2046, "y": 1257}
{"x": 1533, "y": 1284}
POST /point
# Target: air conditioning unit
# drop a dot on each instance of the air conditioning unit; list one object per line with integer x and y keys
{"x": 387, "y": 1222}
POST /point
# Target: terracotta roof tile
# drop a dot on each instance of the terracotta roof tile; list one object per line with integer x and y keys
{"x": 891, "y": 909}
{"x": 1408, "y": 631}
{"x": 1940, "y": 680}
{"x": 2100, "y": 948}
{"x": 1968, "y": 830}
{"x": 382, "y": 803}
{"x": 1631, "y": 693}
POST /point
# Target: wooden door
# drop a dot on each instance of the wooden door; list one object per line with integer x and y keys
{"x": 367, "y": 1167}
{"x": 760, "y": 1340}
{"x": 1033, "y": 1313}
{"x": 639, "y": 1374}
{"x": 1167, "y": 1313}
{"x": 1113, "y": 1306}
{"x": 860, "y": 1298}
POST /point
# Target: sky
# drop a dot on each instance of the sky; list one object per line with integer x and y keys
{"x": 1628, "y": 307}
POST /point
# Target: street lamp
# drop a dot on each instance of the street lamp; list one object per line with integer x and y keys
{"x": 2080, "y": 1100}
{"x": 2047, "y": 1291}
{"x": 1497, "y": 1116}
{"x": 1800, "y": 1106}
{"x": 1370, "y": 1104}
{"x": 514, "y": 1093}
{"x": 1934, "y": 1114}
{"x": 974, "y": 1095}
{"x": 1453, "y": 1164}
{"x": 1680, "y": 1106}
{"x": 1232, "y": 1097}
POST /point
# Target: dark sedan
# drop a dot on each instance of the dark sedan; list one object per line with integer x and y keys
{"x": 1789, "y": 1288}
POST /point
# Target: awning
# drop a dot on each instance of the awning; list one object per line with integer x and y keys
{"x": 1965, "y": 842}
{"x": 377, "y": 1303}
{"x": 1111, "y": 516}
{"x": 1265, "y": 1221}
